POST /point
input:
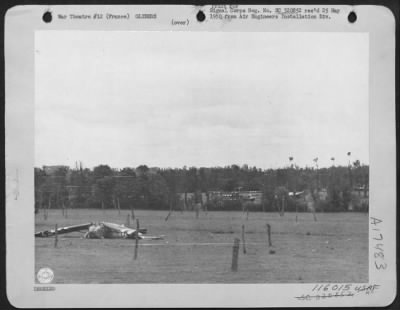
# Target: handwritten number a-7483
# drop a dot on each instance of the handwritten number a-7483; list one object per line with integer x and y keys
{"x": 379, "y": 252}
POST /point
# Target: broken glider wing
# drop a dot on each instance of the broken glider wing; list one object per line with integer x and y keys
{"x": 152, "y": 237}
{"x": 63, "y": 230}
{"x": 129, "y": 233}
{"x": 296, "y": 194}
{"x": 116, "y": 230}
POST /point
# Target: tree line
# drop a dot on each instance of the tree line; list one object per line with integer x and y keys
{"x": 159, "y": 188}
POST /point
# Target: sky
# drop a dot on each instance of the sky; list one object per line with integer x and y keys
{"x": 174, "y": 99}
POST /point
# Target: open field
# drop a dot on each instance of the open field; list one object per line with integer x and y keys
{"x": 333, "y": 249}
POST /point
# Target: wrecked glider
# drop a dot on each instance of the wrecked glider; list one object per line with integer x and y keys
{"x": 99, "y": 231}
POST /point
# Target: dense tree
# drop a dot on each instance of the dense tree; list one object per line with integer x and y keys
{"x": 145, "y": 187}
{"x": 102, "y": 171}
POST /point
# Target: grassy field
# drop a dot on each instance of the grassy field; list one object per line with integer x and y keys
{"x": 333, "y": 249}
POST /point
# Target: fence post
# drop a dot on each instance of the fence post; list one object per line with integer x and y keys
{"x": 243, "y": 239}
{"x": 170, "y": 211}
{"x": 269, "y": 234}
{"x": 137, "y": 239}
{"x": 56, "y": 236}
{"x": 167, "y": 217}
{"x": 235, "y": 255}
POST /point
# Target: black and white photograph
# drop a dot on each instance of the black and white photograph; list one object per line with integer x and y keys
{"x": 228, "y": 157}
{"x": 195, "y": 148}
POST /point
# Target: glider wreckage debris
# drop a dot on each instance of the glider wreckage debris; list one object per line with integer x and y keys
{"x": 101, "y": 230}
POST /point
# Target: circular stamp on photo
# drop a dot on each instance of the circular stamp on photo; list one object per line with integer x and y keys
{"x": 45, "y": 275}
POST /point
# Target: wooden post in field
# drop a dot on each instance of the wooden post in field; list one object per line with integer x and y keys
{"x": 312, "y": 205}
{"x": 235, "y": 255}
{"x": 56, "y": 236}
{"x": 315, "y": 216}
{"x": 269, "y": 234}
{"x": 137, "y": 239}
{"x": 170, "y": 210}
{"x": 169, "y": 213}
{"x": 243, "y": 239}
